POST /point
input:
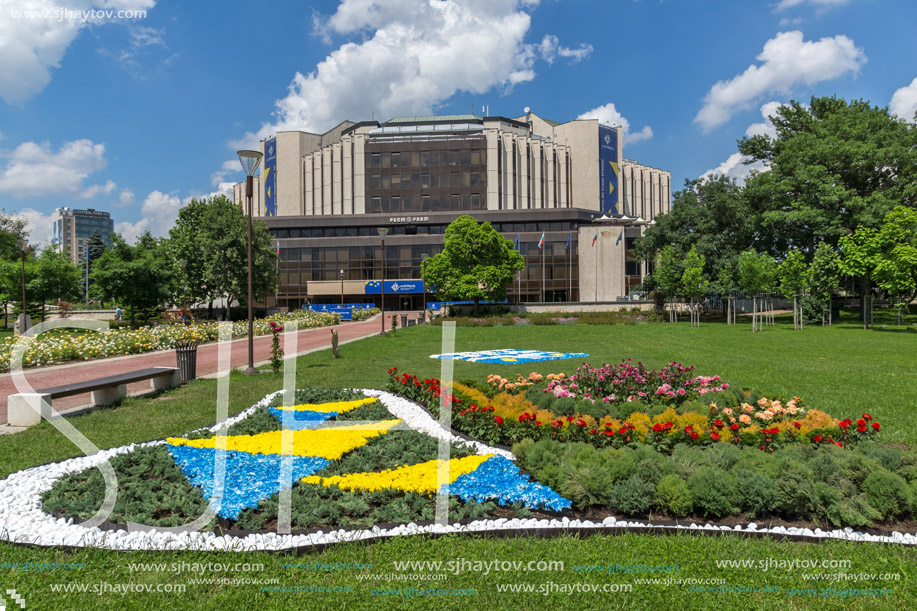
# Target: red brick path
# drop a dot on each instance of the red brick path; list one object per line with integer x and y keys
{"x": 46, "y": 377}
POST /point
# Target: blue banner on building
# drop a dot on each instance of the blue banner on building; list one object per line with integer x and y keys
{"x": 269, "y": 177}
{"x": 374, "y": 287}
{"x": 608, "y": 169}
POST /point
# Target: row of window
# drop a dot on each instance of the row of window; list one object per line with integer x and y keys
{"x": 427, "y": 180}
{"x": 508, "y": 229}
{"x": 427, "y": 203}
{"x": 426, "y": 159}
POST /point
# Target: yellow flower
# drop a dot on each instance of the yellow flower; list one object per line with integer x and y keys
{"x": 422, "y": 478}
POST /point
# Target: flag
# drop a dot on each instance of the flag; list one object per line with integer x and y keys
{"x": 516, "y": 245}
{"x": 569, "y": 237}
{"x": 541, "y": 241}
{"x": 277, "y": 243}
{"x": 595, "y": 237}
{"x": 620, "y": 235}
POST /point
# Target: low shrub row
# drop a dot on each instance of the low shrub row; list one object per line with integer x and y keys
{"x": 823, "y": 484}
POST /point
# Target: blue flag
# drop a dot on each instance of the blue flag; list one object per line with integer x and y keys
{"x": 621, "y": 235}
{"x": 516, "y": 245}
{"x": 569, "y": 237}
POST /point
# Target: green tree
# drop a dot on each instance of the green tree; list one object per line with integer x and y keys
{"x": 823, "y": 275}
{"x": 834, "y": 166}
{"x": 712, "y": 215}
{"x": 667, "y": 275}
{"x": 791, "y": 274}
{"x": 56, "y": 278}
{"x": 476, "y": 264}
{"x": 723, "y": 287}
{"x": 756, "y": 276}
{"x": 12, "y": 229}
{"x": 693, "y": 284}
{"x": 136, "y": 277}
{"x": 211, "y": 235}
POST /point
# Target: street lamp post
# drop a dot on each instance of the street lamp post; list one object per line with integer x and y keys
{"x": 184, "y": 282}
{"x": 423, "y": 260}
{"x": 22, "y": 246}
{"x": 383, "y": 231}
{"x": 342, "y": 288}
{"x": 250, "y": 161}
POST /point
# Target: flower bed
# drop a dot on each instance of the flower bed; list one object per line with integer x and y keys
{"x": 55, "y": 347}
{"x": 508, "y": 355}
{"x": 570, "y": 410}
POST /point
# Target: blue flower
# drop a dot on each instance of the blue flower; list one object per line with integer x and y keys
{"x": 250, "y": 477}
{"x": 499, "y": 479}
{"x": 509, "y": 356}
{"x": 301, "y": 418}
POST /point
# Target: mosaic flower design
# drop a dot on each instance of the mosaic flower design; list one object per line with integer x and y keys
{"x": 311, "y": 415}
{"x": 509, "y": 356}
{"x": 498, "y": 479}
{"x": 422, "y": 477}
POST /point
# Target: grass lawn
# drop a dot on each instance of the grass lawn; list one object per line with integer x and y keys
{"x": 842, "y": 370}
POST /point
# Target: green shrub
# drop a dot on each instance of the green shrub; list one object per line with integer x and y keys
{"x": 633, "y": 496}
{"x": 796, "y": 498}
{"x": 585, "y": 484}
{"x": 888, "y": 493}
{"x": 890, "y": 458}
{"x": 620, "y": 463}
{"x": 688, "y": 460}
{"x": 757, "y": 493}
{"x": 673, "y": 496}
{"x": 856, "y": 466}
{"x": 713, "y": 491}
{"x": 724, "y": 455}
{"x": 841, "y": 509}
{"x": 754, "y": 459}
{"x": 520, "y": 448}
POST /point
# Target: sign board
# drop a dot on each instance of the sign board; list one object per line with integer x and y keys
{"x": 374, "y": 287}
{"x": 608, "y": 169}
{"x": 269, "y": 177}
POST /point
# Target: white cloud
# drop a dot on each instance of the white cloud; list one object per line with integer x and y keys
{"x": 230, "y": 166}
{"x": 31, "y": 46}
{"x": 550, "y": 47}
{"x": 820, "y": 4}
{"x": 159, "y": 211}
{"x": 35, "y": 169}
{"x": 787, "y": 61}
{"x": 126, "y": 198}
{"x": 904, "y": 102}
{"x": 735, "y": 168}
{"x": 786, "y": 21}
{"x": 409, "y": 56}
{"x": 39, "y": 225}
{"x": 766, "y": 128}
{"x": 609, "y": 115}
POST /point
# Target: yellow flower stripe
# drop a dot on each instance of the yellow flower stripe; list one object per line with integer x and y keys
{"x": 337, "y": 406}
{"x": 331, "y": 443}
{"x": 415, "y": 478}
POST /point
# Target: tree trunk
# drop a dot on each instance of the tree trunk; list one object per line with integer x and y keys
{"x": 228, "y": 301}
{"x": 42, "y": 310}
{"x": 477, "y": 304}
{"x": 754, "y": 314}
{"x": 210, "y": 310}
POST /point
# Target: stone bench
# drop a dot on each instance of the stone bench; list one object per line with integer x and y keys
{"x": 27, "y": 409}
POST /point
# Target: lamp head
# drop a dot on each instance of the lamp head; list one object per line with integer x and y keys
{"x": 249, "y": 161}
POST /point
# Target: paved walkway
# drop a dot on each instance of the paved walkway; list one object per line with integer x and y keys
{"x": 45, "y": 377}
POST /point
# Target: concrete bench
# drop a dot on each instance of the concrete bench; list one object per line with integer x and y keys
{"x": 27, "y": 409}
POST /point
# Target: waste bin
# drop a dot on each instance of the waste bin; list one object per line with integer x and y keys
{"x": 404, "y": 321}
{"x": 186, "y": 356}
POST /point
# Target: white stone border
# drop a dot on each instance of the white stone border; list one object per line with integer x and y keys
{"x": 22, "y": 519}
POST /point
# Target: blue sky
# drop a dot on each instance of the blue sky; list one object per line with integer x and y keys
{"x": 135, "y": 115}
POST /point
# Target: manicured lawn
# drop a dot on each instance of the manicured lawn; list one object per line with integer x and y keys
{"x": 842, "y": 370}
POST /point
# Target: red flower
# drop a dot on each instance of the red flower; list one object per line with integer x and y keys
{"x": 715, "y": 436}
{"x": 694, "y": 435}
{"x": 581, "y": 423}
{"x": 845, "y": 423}
{"x": 839, "y": 444}
{"x": 498, "y": 419}
{"x": 538, "y": 423}
{"x": 657, "y": 428}
{"x": 463, "y": 412}
{"x": 592, "y": 431}
{"x": 474, "y": 408}
{"x": 867, "y": 416}
{"x": 622, "y": 430}
{"x": 817, "y": 438}
{"x": 797, "y": 425}
{"x": 668, "y": 425}
{"x": 718, "y": 424}
{"x": 860, "y": 422}
{"x": 557, "y": 424}
{"x": 862, "y": 428}
{"x": 734, "y": 427}
{"x": 569, "y": 418}
{"x": 609, "y": 433}
{"x": 876, "y": 425}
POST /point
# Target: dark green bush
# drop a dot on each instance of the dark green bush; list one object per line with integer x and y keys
{"x": 796, "y": 498}
{"x": 687, "y": 460}
{"x": 714, "y": 492}
{"x": 841, "y": 509}
{"x": 890, "y": 458}
{"x": 673, "y": 496}
{"x": 888, "y": 493}
{"x": 757, "y": 493}
{"x": 633, "y": 496}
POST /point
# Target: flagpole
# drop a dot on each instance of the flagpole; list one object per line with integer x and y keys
{"x": 597, "y": 273}
{"x": 569, "y": 270}
{"x": 543, "y": 295}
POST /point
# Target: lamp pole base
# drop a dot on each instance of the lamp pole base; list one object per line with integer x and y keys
{"x": 250, "y": 371}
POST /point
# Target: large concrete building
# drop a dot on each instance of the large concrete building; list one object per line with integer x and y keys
{"x": 71, "y": 229}
{"x": 324, "y": 196}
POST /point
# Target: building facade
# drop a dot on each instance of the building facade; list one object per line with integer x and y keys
{"x": 71, "y": 229}
{"x": 324, "y": 198}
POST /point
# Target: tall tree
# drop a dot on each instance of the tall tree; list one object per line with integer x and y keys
{"x": 693, "y": 284}
{"x": 56, "y": 278}
{"x": 823, "y": 276}
{"x": 712, "y": 215}
{"x": 95, "y": 247}
{"x": 791, "y": 274}
{"x": 477, "y": 263}
{"x": 136, "y": 277}
{"x": 834, "y": 166}
{"x": 12, "y": 229}
{"x": 756, "y": 276}
{"x": 667, "y": 276}
{"x": 211, "y": 236}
